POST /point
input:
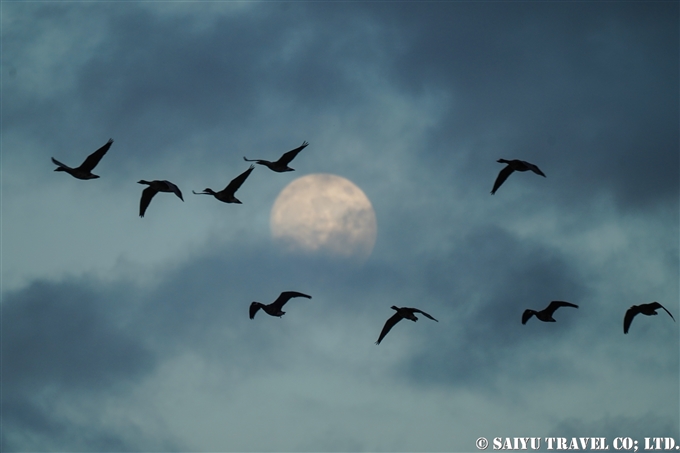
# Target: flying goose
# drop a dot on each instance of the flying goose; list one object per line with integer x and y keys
{"x": 227, "y": 195}
{"x": 546, "y": 315}
{"x": 85, "y": 169}
{"x": 280, "y": 165}
{"x": 152, "y": 190}
{"x": 645, "y": 309}
{"x": 274, "y": 309}
{"x": 402, "y": 313}
{"x": 513, "y": 165}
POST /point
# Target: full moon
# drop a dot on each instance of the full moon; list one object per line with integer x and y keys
{"x": 323, "y": 213}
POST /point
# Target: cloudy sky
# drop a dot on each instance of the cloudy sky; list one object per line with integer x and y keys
{"x": 129, "y": 334}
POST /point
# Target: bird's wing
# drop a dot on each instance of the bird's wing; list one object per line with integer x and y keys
{"x": 94, "y": 158}
{"x": 630, "y": 314}
{"x": 175, "y": 189}
{"x": 259, "y": 161}
{"x": 290, "y": 155}
{"x": 555, "y": 304}
{"x": 237, "y": 181}
{"x": 502, "y": 176}
{"x": 56, "y": 162}
{"x": 528, "y": 313}
{"x": 254, "y": 307}
{"x": 422, "y": 312}
{"x": 286, "y": 296}
{"x": 658, "y": 305}
{"x": 147, "y": 195}
{"x": 388, "y": 325}
{"x": 535, "y": 169}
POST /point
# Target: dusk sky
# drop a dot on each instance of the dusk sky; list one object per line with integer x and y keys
{"x": 122, "y": 333}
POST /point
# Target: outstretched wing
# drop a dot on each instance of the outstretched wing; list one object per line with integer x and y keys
{"x": 259, "y": 161}
{"x": 56, "y": 162}
{"x": 502, "y": 176}
{"x": 254, "y": 307}
{"x": 555, "y": 304}
{"x": 290, "y": 155}
{"x": 528, "y": 313}
{"x": 174, "y": 189}
{"x": 147, "y": 195}
{"x": 388, "y": 326}
{"x": 534, "y": 168}
{"x": 630, "y": 314}
{"x": 657, "y": 305}
{"x": 286, "y": 296}
{"x": 422, "y": 312}
{"x": 235, "y": 183}
{"x": 94, "y": 158}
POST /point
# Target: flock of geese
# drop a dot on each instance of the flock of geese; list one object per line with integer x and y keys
{"x": 227, "y": 195}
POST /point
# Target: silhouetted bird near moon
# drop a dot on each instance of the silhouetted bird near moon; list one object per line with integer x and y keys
{"x": 513, "y": 165}
{"x": 274, "y": 309}
{"x": 152, "y": 190}
{"x": 280, "y": 165}
{"x": 645, "y": 309}
{"x": 85, "y": 169}
{"x": 546, "y": 315}
{"x": 402, "y": 313}
{"x": 227, "y": 194}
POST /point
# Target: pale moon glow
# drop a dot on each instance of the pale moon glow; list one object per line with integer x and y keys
{"x": 324, "y": 213}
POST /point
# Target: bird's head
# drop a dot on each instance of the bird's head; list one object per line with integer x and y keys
{"x": 141, "y": 181}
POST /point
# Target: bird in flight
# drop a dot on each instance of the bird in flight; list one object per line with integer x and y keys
{"x": 85, "y": 169}
{"x": 280, "y": 165}
{"x": 227, "y": 195}
{"x": 645, "y": 309}
{"x": 402, "y": 313}
{"x": 513, "y": 165}
{"x": 152, "y": 190}
{"x": 546, "y": 315}
{"x": 274, "y": 309}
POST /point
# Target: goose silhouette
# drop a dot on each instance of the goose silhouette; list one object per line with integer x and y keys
{"x": 401, "y": 313}
{"x": 274, "y": 309}
{"x": 280, "y": 165}
{"x": 84, "y": 171}
{"x": 153, "y": 189}
{"x": 546, "y": 315}
{"x": 226, "y": 195}
{"x": 645, "y": 309}
{"x": 512, "y": 166}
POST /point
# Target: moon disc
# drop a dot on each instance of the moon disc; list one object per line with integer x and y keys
{"x": 324, "y": 213}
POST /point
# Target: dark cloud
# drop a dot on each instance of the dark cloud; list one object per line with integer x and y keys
{"x": 485, "y": 287}
{"x": 71, "y": 335}
{"x": 63, "y": 343}
{"x": 591, "y": 95}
